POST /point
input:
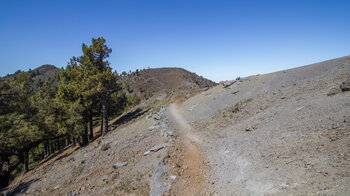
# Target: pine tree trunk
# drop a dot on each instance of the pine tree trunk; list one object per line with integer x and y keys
{"x": 59, "y": 145}
{"x": 67, "y": 141}
{"x": 84, "y": 137}
{"x": 46, "y": 150}
{"x": 101, "y": 123}
{"x": 90, "y": 128}
{"x": 25, "y": 162}
{"x": 52, "y": 146}
{"x": 104, "y": 115}
{"x": 74, "y": 142}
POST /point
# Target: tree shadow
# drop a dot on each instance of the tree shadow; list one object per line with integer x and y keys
{"x": 57, "y": 154}
{"x": 19, "y": 189}
{"x": 129, "y": 116}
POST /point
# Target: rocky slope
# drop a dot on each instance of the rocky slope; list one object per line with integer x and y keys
{"x": 153, "y": 81}
{"x": 281, "y": 133}
{"x": 286, "y": 132}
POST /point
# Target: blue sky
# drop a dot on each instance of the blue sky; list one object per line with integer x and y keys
{"x": 217, "y": 39}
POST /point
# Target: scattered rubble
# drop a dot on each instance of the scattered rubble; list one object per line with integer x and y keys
{"x": 158, "y": 183}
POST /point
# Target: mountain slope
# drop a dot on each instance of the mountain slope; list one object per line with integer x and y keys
{"x": 278, "y": 133}
{"x": 281, "y": 133}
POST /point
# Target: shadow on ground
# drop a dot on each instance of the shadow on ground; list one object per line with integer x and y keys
{"x": 20, "y": 189}
{"x": 129, "y": 116}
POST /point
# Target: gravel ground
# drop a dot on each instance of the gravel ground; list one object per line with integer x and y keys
{"x": 277, "y": 133}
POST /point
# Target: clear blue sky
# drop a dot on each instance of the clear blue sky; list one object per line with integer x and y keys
{"x": 216, "y": 39}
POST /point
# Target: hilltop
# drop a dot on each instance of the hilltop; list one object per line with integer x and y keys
{"x": 149, "y": 82}
{"x": 285, "y": 132}
{"x": 45, "y": 71}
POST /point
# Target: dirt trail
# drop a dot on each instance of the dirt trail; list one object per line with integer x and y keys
{"x": 189, "y": 164}
{"x": 185, "y": 130}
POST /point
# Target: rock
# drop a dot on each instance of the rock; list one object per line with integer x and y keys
{"x": 238, "y": 78}
{"x": 71, "y": 194}
{"x": 86, "y": 155}
{"x": 163, "y": 107}
{"x": 153, "y": 149}
{"x": 157, "y": 117}
{"x": 158, "y": 185}
{"x": 120, "y": 164}
{"x": 172, "y": 177}
{"x": 299, "y": 108}
{"x": 345, "y": 86}
{"x": 163, "y": 125}
{"x": 105, "y": 146}
{"x": 156, "y": 148}
{"x": 234, "y": 93}
{"x": 192, "y": 107}
{"x": 333, "y": 91}
{"x": 151, "y": 128}
{"x": 104, "y": 178}
{"x": 154, "y": 126}
{"x": 228, "y": 83}
{"x": 250, "y": 128}
{"x": 168, "y": 133}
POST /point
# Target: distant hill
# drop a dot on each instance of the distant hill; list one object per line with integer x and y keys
{"x": 47, "y": 70}
{"x": 155, "y": 80}
{"x": 44, "y": 71}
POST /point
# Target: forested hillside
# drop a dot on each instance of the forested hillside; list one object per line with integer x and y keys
{"x": 44, "y": 110}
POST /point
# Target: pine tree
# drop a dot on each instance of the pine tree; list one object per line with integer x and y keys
{"x": 100, "y": 79}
